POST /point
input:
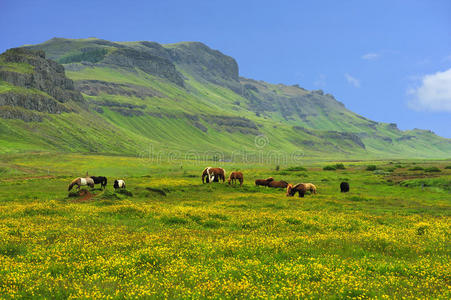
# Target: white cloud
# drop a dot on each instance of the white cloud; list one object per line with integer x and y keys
{"x": 321, "y": 81}
{"x": 434, "y": 93}
{"x": 371, "y": 56}
{"x": 354, "y": 81}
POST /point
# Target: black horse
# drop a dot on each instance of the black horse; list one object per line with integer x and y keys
{"x": 100, "y": 179}
{"x": 344, "y": 187}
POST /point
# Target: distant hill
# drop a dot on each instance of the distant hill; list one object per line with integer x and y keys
{"x": 129, "y": 97}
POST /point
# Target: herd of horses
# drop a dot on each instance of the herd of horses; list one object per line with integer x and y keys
{"x": 215, "y": 175}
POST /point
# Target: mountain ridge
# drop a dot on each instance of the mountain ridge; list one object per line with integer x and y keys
{"x": 195, "y": 97}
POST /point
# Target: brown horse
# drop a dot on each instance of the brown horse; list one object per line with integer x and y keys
{"x": 298, "y": 188}
{"x": 80, "y": 181}
{"x": 278, "y": 184}
{"x": 263, "y": 182}
{"x": 213, "y": 174}
{"x": 234, "y": 176}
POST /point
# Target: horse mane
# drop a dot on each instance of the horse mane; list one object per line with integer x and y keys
{"x": 298, "y": 185}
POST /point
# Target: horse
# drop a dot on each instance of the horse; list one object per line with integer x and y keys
{"x": 263, "y": 182}
{"x": 278, "y": 184}
{"x": 213, "y": 174}
{"x": 234, "y": 176}
{"x": 81, "y": 181}
{"x": 100, "y": 179}
{"x": 310, "y": 187}
{"x": 119, "y": 183}
{"x": 299, "y": 188}
{"x": 344, "y": 187}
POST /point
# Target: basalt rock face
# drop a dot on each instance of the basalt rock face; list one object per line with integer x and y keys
{"x": 37, "y": 102}
{"x": 97, "y": 87}
{"x": 206, "y": 64}
{"x": 128, "y": 58}
{"x": 48, "y": 76}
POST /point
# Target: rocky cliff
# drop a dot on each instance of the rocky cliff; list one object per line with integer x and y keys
{"x": 30, "y": 81}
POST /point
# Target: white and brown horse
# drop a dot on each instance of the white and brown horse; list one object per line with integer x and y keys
{"x": 81, "y": 181}
{"x": 213, "y": 174}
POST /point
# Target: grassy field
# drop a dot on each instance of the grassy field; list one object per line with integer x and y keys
{"x": 170, "y": 236}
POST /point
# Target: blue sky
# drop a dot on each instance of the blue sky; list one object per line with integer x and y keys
{"x": 389, "y": 61}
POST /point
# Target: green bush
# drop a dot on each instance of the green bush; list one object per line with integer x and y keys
{"x": 448, "y": 167}
{"x": 329, "y": 168}
{"x": 298, "y": 168}
{"x": 432, "y": 169}
{"x": 416, "y": 168}
{"x": 340, "y": 166}
{"x": 371, "y": 168}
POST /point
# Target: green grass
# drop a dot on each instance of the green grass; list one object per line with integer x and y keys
{"x": 17, "y": 67}
{"x": 171, "y": 236}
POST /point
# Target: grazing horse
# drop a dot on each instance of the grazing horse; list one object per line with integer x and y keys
{"x": 119, "y": 183}
{"x": 344, "y": 187}
{"x": 80, "y": 181}
{"x": 278, "y": 184}
{"x": 310, "y": 187}
{"x": 213, "y": 174}
{"x": 263, "y": 182}
{"x": 299, "y": 188}
{"x": 234, "y": 176}
{"x": 100, "y": 179}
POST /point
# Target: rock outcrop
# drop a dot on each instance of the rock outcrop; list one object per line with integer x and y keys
{"x": 48, "y": 76}
{"x": 33, "y": 83}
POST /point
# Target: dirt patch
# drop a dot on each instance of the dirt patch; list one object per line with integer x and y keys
{"x": 83, "y": 196}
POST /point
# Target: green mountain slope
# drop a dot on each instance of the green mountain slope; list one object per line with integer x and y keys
{"x": 182, "y": 98}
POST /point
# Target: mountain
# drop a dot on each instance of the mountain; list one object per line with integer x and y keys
{"x": 177, "y": 99}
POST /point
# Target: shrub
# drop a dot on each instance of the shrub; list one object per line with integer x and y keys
{"x": 340, "y": 166}
{"x": 448, "y": 167}
{"x": 277, "y": 168}
{"x": 416, "y": 168}
{"x": 432, "y": 169}
{"x": 298, "y": 168}
{"x": 329, "y": 168}
{"x": 371, "y": 168}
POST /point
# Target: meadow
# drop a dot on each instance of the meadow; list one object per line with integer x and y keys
{"x": 170, "y": 236}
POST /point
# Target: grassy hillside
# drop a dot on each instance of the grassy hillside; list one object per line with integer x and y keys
{"x": 188, "y": 97}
